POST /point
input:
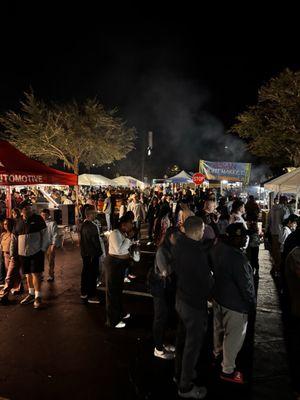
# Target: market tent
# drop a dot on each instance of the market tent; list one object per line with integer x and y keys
{"x": 129, "y": 181}
{"x": 287, "y": 183}
{"x": 95, "y": 180}
{"x": 16, "y": 169}
{"x": 182, "y": 177}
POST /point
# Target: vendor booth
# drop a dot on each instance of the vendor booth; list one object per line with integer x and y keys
{"x": 129, "y": 181}
{"x": 16, "y": 169}
{"x": 287, "y": 183}
{"x": 95, "y": 180}
{"x": 182, "y": 177}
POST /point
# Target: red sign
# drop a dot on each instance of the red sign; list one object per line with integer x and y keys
{"x": 198, "y": 178}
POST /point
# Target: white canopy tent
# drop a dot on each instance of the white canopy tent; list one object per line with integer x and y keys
{"x": 129, "y": 181}
{"x": 182, "y": 177}
{"x": 95, "y": 180}
{"x": 287, "y": 183}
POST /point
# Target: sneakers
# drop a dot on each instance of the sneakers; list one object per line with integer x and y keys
{"x": 120, "y": 325}
{"x": 130, "y": 276}
{"x": 127, "y": 316}
{"x": 164, "y": 354}
{"x": 235, "y": 377}
{"x": 83, "y": 296}
{"x": 94, "y": 300}
{"x": 170, "y": 348}
{"x": 50, "y": 279}
{"x": 127, "y": 280}
{"x": 28, "y": 299}
{"x": 195, "y": 393}
{"x": 37, "y": 303}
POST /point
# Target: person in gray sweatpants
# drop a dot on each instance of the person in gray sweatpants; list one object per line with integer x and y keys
{"x": 234, "y": 297}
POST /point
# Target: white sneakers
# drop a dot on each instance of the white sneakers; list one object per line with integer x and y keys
{"x": 120, "y": 325}
{"x": 164, "y": 354}
{"x": 169, "y": 347}
{"x": 127, "y": 280}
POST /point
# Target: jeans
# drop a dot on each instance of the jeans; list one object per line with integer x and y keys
{"x": 190, "y": 336}
{"x": 161, "y": 313}
{"x": 150, "y": 229}
{"x": 50, "y": 256}
{"x": 252, "y": 253}
{"x": 89, "y": 276}
{"x": 13, "y": 275}
{"x": 108, "y": 221}
{"x": 114, "y": 280}
{"x": 137, "y": 226}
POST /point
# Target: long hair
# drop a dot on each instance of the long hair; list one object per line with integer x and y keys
{"x": 166, "y": 243}
{"x": 10, "y": 224}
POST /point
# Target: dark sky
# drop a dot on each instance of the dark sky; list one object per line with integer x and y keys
{"x": 160, "y": 75}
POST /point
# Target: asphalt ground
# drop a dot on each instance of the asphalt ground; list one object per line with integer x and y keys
{"x": 64, "y": 351}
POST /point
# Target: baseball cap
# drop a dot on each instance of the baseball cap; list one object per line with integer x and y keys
{"x": 236, "y": 229}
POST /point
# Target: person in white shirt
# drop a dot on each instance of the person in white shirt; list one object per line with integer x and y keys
{"x": 116, "y": 263}
{"x": 52, "y": 233}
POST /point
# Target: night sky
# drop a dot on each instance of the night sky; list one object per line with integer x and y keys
{"x": 158, "y": 74}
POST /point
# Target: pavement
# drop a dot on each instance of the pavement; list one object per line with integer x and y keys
{"x": 64, "y": 351}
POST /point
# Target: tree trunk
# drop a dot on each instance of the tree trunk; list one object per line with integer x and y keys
{"x": 76, "y": 188}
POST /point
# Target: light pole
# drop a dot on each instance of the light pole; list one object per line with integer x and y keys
{"x": 148, "y": 151}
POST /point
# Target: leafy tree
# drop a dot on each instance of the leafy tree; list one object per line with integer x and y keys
{"x": 272, "y": 127}
{"x": 73, "y": 133}
{"x": 173, "y": 170}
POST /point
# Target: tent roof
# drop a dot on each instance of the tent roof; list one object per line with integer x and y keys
{"x": 287, "y": 183}
{"x": 95, "y": 180}
{"x": 18, "y": 169}
{"x": 129, "y": 181}
{"x": 182, "y": 177}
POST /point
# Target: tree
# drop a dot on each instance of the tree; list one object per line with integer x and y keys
{"x": 73, "y": 133}
{"x": 173, "y": 170}
{"x": 272, "y": 127}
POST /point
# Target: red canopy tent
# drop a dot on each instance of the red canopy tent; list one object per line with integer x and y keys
{"x": 16, "y": 169}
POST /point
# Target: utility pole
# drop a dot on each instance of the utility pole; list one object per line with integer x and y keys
{"x": 148, "y": 150}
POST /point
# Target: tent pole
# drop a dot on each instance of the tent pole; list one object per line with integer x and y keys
{"x": 8, "y": 202}
{"x": 76, "y": 188}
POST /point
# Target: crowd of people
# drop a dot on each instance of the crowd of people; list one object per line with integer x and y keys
{"x": 207, "y": 254}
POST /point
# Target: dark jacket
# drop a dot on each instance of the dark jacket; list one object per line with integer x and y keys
{"x": 194, "y": 278}
{"x": 234, "y": 284}
{"x": 152, "y": 213}
{"x": 292, "y": 241}
{"x": 89, "y": 240}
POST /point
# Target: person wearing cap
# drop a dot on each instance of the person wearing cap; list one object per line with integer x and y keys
{"x": 278, "y": 213}
{"x": 194, "y": 284}
{"x": 234, "y": 298}
{"x": 32, "y": 239}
